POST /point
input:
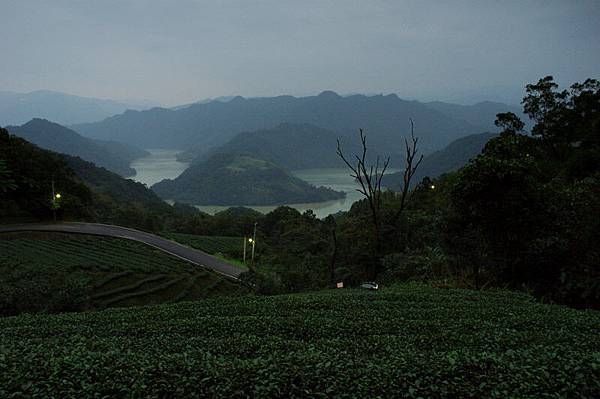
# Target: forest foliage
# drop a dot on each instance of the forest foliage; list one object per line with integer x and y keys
{"x": 524, "y": 214}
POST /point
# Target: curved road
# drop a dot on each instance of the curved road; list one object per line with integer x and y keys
{"x": 194, "y": 256}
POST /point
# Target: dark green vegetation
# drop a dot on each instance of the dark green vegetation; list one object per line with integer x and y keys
{"x": 406, "y": 341}
{"x": 111, "y": 155}
{"x": 292, "y": 146}
{"x": 88, "y": 193}
{"x": 452, "y": 157}
{"x": 53, "y": 272}
{"x": 203, "y": 126}
{"x": 231, "y": 179}
{"x": 231, "y": 247}
{"x": 524, "y": 214}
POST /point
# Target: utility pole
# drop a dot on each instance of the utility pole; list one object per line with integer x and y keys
{"x": 53, "y": 203}
{"x": 244, "y": 249}
{"x": 254, "y": 241}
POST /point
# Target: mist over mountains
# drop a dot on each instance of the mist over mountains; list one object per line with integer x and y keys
{"x": 290, "y": 145}
{"x": 111, "y": 155}
{"x": 201, "y": 127}
{"x": 66, "y": 109}
{"x": 450, "y": 158}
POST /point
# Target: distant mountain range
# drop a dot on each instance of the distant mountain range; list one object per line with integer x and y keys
{"x": 232, "y": 179}
{"x": 66, "y": 109}
{"x": 292, "y": 146}
{"x": 204, "y": 126}
{"x": 453, "y": 157}
{"x": 481, "y": 114}
{"x": 111, "y": 155}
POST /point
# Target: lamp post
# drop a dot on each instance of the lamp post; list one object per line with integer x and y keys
{"x": 54, "y": 201}
{"x": 244, "y": 249}
{"x": 253, "y": 240}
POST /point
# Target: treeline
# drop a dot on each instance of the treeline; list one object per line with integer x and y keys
{"x": 524, "y": 214}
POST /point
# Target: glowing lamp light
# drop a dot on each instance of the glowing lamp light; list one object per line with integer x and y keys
{"x": 57, "y": 196}
{"x": 250, "y": 240}
{"x": 432, "y": 187}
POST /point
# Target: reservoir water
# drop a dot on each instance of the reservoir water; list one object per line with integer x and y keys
{"x": 162, "y": 164}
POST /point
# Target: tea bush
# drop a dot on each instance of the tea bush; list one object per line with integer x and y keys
{"x": 405, "y": 341}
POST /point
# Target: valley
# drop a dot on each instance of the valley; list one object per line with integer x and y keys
{"x": 164, "y": 164}
{"x": 279, "y": 199}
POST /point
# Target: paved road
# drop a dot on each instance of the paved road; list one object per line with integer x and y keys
{"x": 191, "y": 255}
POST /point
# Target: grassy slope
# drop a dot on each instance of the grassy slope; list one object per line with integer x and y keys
{"x": 405, "y": 341}
{"x": 226, "y": 248}
{"x": 118, "y": 272}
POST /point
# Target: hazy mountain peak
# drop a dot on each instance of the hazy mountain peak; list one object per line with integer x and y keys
{"x": 328, "y": 94}
{"x": 53, "y": 136}
{"x": 66, "y": 109}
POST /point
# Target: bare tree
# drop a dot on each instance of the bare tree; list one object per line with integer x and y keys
{"x": 369, "y": 178}
{"x": 410, "y": 168}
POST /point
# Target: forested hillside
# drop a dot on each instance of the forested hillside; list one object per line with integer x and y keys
{"x": 452, "y": 157}
{"x": 292, "y": 146}
{"x": 87, "y": 192}
{"x": 109, "y": 154}
{"x": 233, "y": 179}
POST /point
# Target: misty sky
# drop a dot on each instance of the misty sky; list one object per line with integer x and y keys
{"x": 176, "y": 52}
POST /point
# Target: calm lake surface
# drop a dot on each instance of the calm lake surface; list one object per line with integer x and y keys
{"x": 162, "y": 164}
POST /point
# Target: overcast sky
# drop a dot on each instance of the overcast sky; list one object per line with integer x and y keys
{"x": 175, "y": 52}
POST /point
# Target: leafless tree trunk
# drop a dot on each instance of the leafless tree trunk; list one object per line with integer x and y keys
{"x": 369, "y": 178}
{"x": 410, "y": 169}
{"x": 333, "y": 256}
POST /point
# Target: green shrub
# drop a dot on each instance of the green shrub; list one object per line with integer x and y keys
{"x": 406, "y": 342}
{"x": 429, "y": 264}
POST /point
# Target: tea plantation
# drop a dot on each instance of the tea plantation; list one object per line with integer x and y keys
{"x": 106, "y": 271}
{"x": 230, "y": 246}
{"x": 405, "y": 341}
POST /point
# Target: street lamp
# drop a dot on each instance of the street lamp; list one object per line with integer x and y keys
{"x": 251, "y": 241}
{"x": 432, "y": 187}
{"x": 54, "y": 201}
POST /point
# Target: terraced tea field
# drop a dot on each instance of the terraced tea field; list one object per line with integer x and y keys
{"x": 405, "y": 341}
{"x": 229, "y": 246}
{"x": 229, "y": 249}
{"x": 117, "y": 272}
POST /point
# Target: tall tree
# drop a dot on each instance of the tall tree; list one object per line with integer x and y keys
{"x": 369, "y": 177}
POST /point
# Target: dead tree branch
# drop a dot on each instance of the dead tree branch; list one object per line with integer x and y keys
{"x": 410, "y": 169}
{"x": 369, "y": 178}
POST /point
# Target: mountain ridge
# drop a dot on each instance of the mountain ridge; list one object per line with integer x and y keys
{"x": 17, "y": 108}
{"x": 385, "y": 120}
{"x": 454, "y": 156}
{"x": 237, "y": 179}
{"x": 52, "y": 136}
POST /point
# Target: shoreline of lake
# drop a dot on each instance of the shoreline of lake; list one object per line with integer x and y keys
{"x": 163, "y": 164}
